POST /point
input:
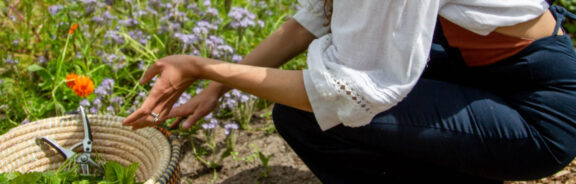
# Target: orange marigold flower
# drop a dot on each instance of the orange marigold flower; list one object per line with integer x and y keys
{"x": 70, "y": 80}
{"x": 73, "y": 28}
{"x": 83, "y": 86}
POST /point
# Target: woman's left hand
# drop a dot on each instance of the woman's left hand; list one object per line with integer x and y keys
{"x": 175, "y": 74}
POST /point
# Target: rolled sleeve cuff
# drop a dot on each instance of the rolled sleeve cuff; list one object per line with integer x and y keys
{"x": 325, "y": 118}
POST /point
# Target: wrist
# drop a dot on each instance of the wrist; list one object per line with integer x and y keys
{"x": 217, "y": 88}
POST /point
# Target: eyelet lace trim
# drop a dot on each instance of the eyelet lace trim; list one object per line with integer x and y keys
{"x": 344, "y": 88}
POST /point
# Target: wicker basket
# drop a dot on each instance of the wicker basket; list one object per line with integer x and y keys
{"x": 154, "y": 149}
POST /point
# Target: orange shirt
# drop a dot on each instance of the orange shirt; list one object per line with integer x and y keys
{"x": 478, "y": 50}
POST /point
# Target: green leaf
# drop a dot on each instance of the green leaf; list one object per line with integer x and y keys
{"x": 110, "y": 171}
{"x": 81, "y": 182}
{"x": 35, "y": 67}
{"x": 130, "y": 173}
{"x": 106, "y": 182}
{"x": 51, "y": 177}
{"x": 32, "y": 177}
{"x": 12, "y": 175}
{"x": 3, "y": 178}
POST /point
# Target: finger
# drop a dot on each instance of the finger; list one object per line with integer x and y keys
{"x": 139, "y": 126}
{"x": 182, "y": 110}
{"x": 166, "y": 106}
{"x": 138, "y": 114}
{"x": 192, "y": 120}
{"x": 158, "y": 101}
{"x": 154, "y": 70}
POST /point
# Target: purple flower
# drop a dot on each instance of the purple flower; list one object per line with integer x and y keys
{"x": 142, "y": 94}
{"x": 105, "y": 87}
{"x": 212, "y": 124}
{"x": 93, "y": 110}
{"x": 203, "y": 27}
{"x": 139, "y": 13}
{"x": 212, "y": 11}
{"x": 107, "y": 15}
{"x": 9, "y": 60}
{"x": 229, "y": 103}
{"x": 131, "y": 110}
{"x": 185, "y": 97}
{"x": 128, "y": 22}
{"x": 141, "y": 65}
{"x": 85, "y": 103}
{"x": 26, "y": 121}
{"x": 198, "y": 90}
{"x": 244, "y": 98}
{"x": 118, "y": 100}
{"x": 110, "y": 58}
{"x": 230, "y": 126}
{"x": 207, "y": 3}
{"x": 208, "y": 116}
{"x": 97, "y": 19}
{"x": 42, "y": 59}
{"x": 241, "y": 18}
{"x": 110, "y": 109}
{"x": 1, "y": 81}
{"x": 16, "y": 42}
{"x": 237, "y": 58}
{"x": 139, "y": 36}
{"x": 186, "y": 39}
{"x": 97, "y": 102}
{"x": 236, "y": 93}
{"x": 114, "y": 36}
{"x": 153, "y": 81}
{"x": 88, "y": 2}
{"x": 55, "y": 9}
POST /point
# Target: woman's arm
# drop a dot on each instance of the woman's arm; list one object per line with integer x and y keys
{"x": 178, "y": 72}
{"x": 286, "y": 42}
{"x": 281, "y": 86}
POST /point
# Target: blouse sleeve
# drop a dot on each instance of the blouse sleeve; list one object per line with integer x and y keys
{"x": 372, "y": 59}
{"x": 311, "y": 16}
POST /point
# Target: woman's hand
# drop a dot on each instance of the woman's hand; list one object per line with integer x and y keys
{"x": 175, "y": 74}
{"x": 198, "y": 107}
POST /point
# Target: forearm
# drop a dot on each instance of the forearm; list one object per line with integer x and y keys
{"x": 280, "y": 86}
{"x": 286, "y": 42}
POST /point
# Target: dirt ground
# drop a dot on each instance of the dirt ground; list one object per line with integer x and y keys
{"x": 284, "y": 166}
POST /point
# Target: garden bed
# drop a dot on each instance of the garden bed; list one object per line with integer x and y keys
{"x": 285, "y": 166}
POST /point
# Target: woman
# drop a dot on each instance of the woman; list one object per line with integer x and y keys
{"x": 491, "y": 101}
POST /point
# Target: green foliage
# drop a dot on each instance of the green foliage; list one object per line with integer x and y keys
{"x": 114, "y": 173}
{"x": 36, "y": 35}
{"x": 264, "y": 159}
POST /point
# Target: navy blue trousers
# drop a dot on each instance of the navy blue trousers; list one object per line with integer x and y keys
{"x": 513, "y": 120}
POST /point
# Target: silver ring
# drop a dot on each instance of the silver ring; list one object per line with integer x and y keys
{"x": 156, "y": 117}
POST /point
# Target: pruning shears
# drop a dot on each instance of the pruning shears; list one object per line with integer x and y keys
{"x": 83, "y": 158}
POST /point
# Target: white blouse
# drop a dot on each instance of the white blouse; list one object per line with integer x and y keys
{"x": 373, "y": 52}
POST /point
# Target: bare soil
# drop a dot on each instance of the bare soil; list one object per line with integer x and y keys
{"x": 284, "y": 166}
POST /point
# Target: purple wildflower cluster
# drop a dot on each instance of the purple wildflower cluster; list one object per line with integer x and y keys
{"x": 113, "y": 37}
{"x": 242, "y": 18}
{"x": 211, "y": 123}
{"x": 184, "y": 98}
{"x": 232, "y": 99}
{"x": 229, "y": 127}
{"x": 137, "y": 102}
{"x": 55, "y": 9}
{"x": 104, "y": 98}
{"x": 10, "y": 60}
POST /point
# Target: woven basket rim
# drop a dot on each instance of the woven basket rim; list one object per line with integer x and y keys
{"x": 145, "y": 143}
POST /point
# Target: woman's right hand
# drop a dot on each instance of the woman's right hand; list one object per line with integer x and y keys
{"x": 199, "y": 106}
